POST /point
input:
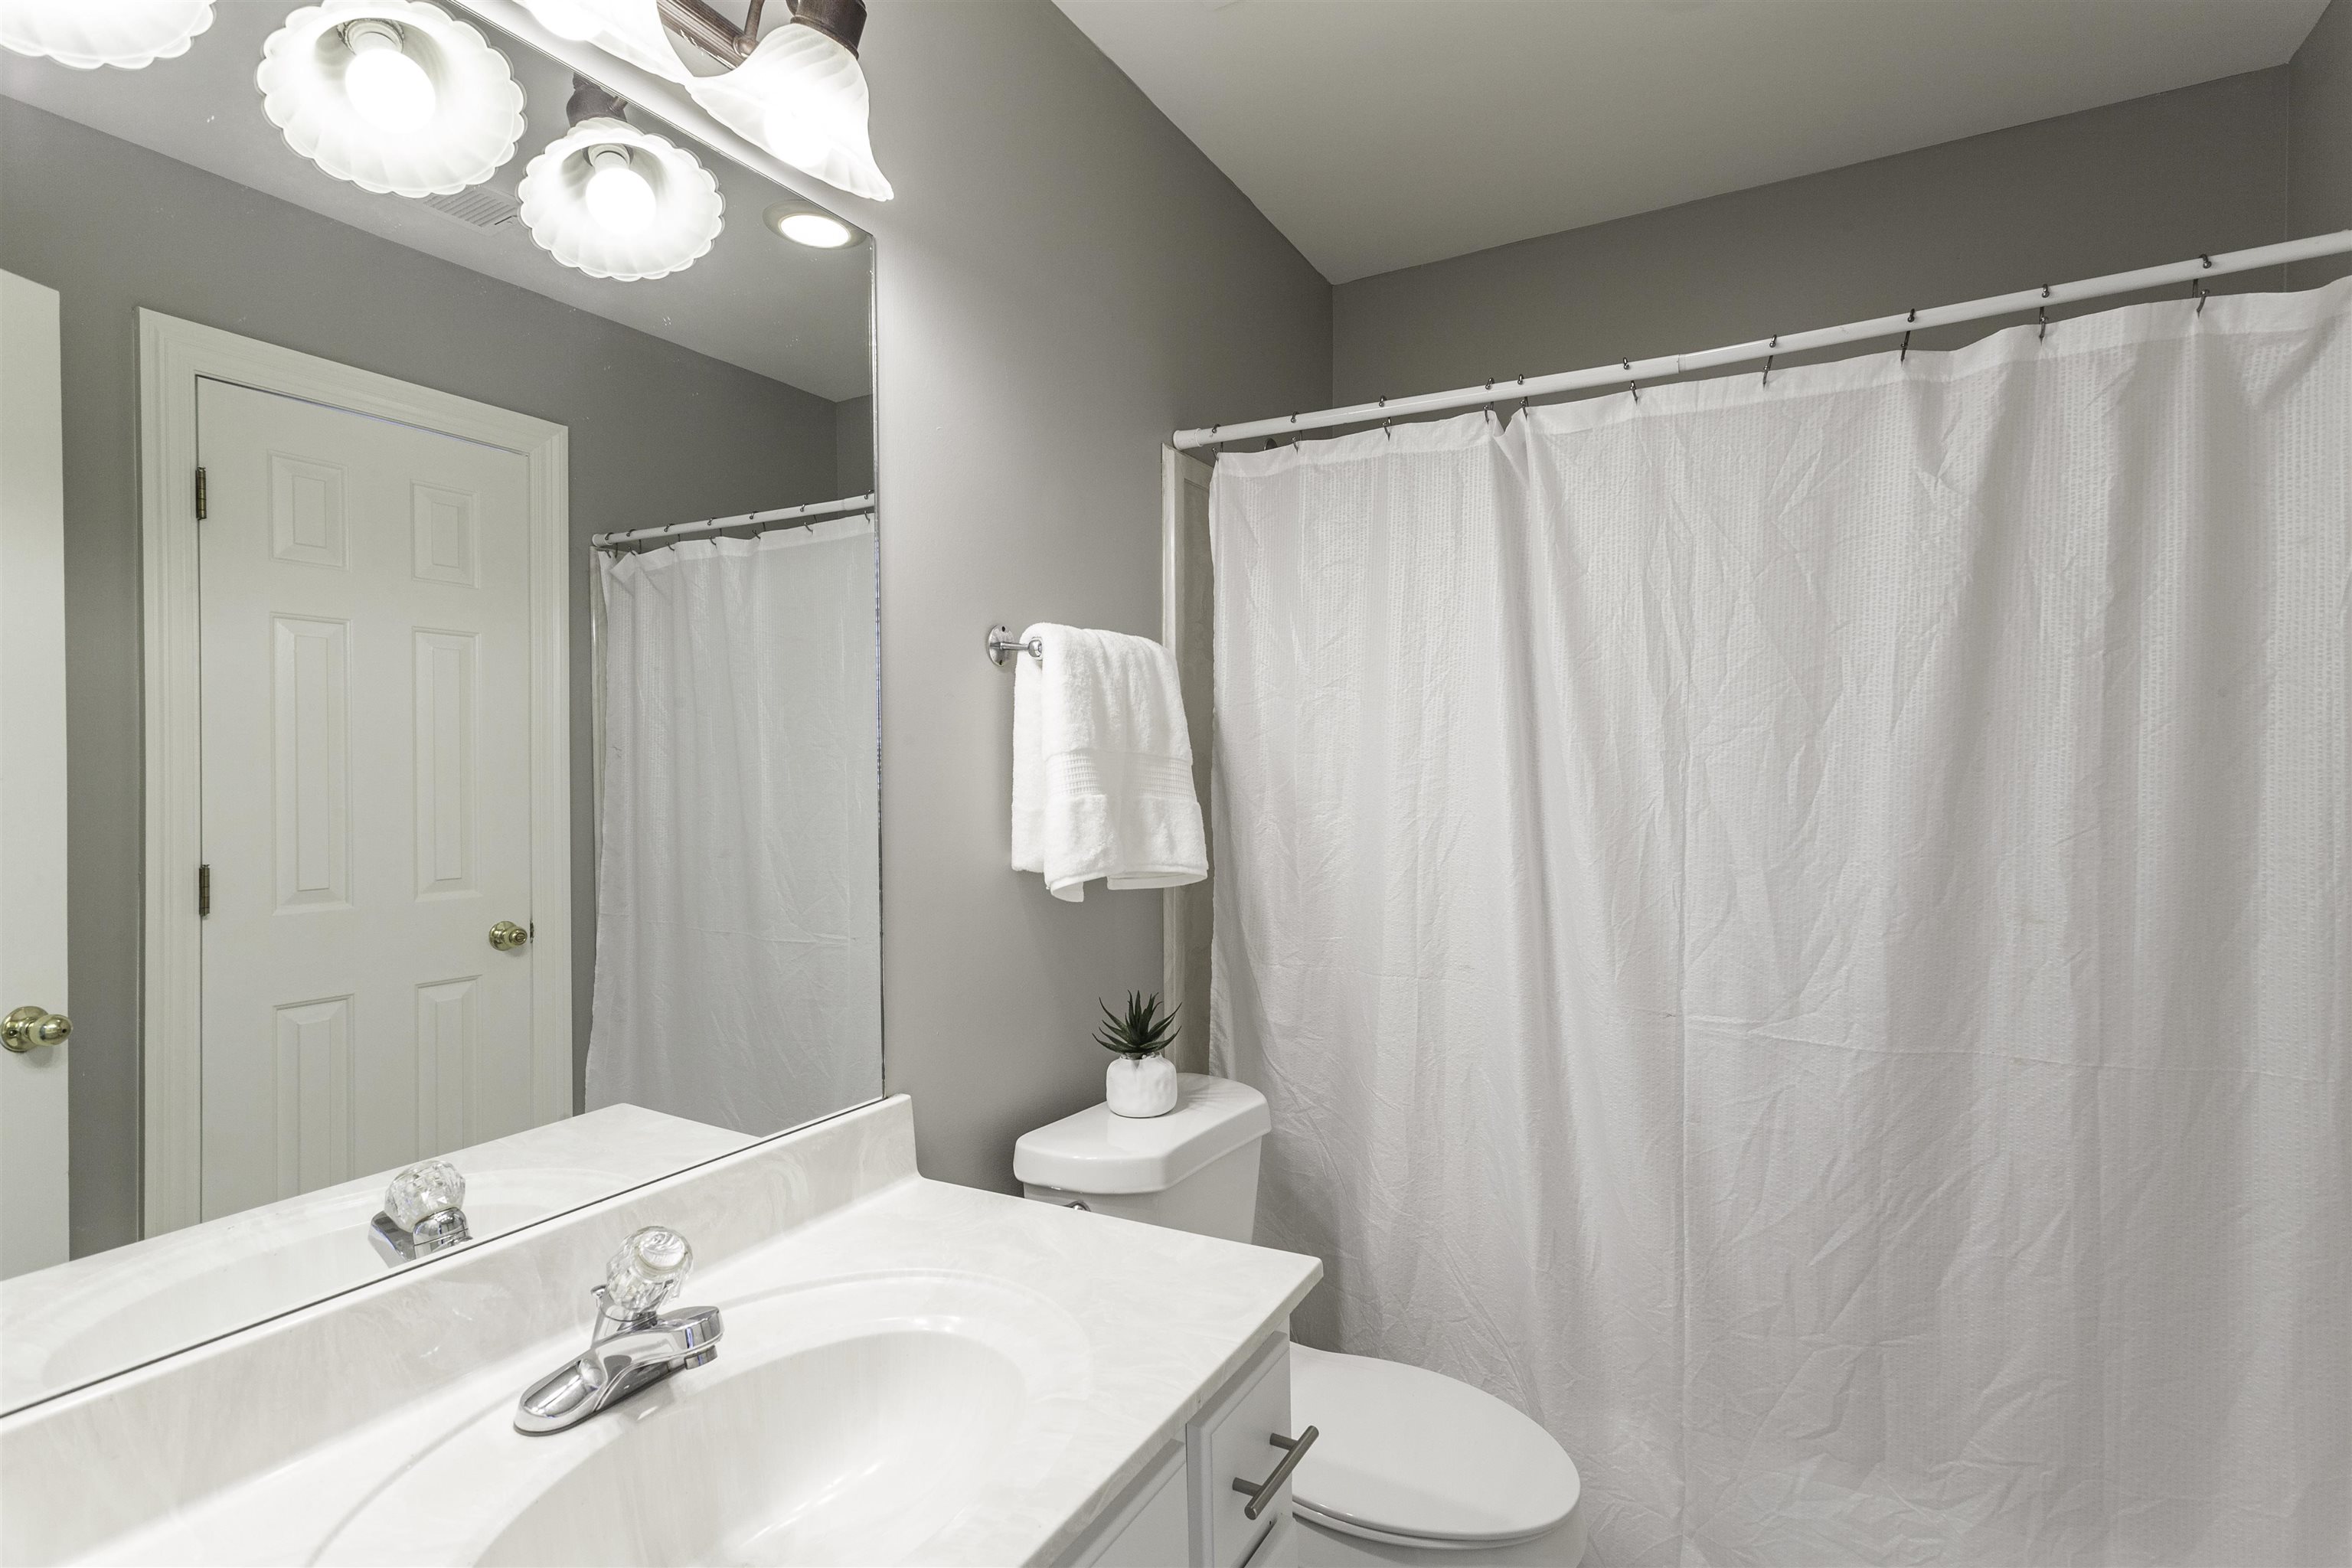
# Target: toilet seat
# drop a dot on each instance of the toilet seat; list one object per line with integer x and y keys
{"x": 1410, "y": 1457}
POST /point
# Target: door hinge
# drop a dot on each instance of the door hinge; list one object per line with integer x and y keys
{"x": 200, "y": 495}
{"x": 203, "y": 891}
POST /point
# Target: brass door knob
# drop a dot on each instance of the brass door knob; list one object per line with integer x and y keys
{"x": 506, "y": 936}
{"x": 30, "y": 1028}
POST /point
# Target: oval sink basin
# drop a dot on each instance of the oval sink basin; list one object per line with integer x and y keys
{"x": 851, "y": 1422}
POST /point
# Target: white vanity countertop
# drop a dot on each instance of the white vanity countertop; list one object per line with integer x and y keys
{"x": 1124, "y": 1331}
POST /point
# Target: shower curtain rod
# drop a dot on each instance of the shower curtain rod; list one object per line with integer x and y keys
{"x": 811, "y": 512}
{"x": 1766, "y": 349}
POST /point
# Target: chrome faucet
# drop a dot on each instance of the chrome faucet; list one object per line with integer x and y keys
{"x": 423, "y": 1212}
{"x": 634, "y": 1345}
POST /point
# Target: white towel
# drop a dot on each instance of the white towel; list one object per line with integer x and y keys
{"x": 1102, "y": 765}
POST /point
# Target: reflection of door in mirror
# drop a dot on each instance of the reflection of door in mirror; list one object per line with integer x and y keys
{"x": 31, "y": 781}
{"x": 365, "y": 610}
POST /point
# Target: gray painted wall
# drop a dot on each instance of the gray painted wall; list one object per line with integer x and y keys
{"x": 2154, "y": 179}
{"x": 1064, "y": 279}
{"x": 658, "y": 435}
{"x": 2319, "y": 142}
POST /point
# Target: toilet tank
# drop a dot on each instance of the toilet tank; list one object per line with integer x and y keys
{"x": 1193, "y": 1169}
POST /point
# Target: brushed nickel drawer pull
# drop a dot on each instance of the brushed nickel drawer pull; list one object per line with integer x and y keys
{"x": 1260, "y": 1493}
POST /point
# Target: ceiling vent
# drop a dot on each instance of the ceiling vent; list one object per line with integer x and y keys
{"x": 479, "y": 206}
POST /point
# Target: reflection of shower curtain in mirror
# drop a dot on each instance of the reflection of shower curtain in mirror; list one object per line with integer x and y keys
{"x": 739, "y": 918}
{"x": 1796, "y": 932}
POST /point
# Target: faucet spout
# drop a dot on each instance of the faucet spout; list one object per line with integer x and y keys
{"x": 633, "y": 1346}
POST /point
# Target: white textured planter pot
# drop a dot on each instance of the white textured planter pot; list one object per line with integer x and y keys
{"x": 1141, "y": 1085}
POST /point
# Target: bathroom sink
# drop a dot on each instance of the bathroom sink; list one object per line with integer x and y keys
{"x": 848, "y": 1422}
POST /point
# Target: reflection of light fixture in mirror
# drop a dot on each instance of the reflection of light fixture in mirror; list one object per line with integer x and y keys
{"x": 801, "y": 96}
{"x": 805, "y": 223}
{"x": 396, "y": 96}
{"x": 628, "y": 29}
{"x": 87, "y": 34}
{"x": 616, "y": 201}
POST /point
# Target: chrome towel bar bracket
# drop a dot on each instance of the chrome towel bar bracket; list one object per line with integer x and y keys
{"x": 1003, "y": 644}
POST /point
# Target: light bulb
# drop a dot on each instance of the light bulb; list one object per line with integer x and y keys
{"x": 390, "y": 90}
{"x": 620, "y": 199}
{"x": 814, "y": 229}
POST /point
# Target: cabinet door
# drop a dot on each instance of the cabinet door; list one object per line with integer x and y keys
{"x": 1280, "y": 1547}
{"x": 1148, "y": 1527}
{"x": 1233, "y": 1439}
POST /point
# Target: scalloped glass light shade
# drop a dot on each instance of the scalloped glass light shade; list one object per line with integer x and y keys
{"x": 801, "y": 97}
{"x": 689, "y": 211}
{"x": 476, "y": 124}
{"x": 87, "y": 34}
{"x": 627, "y": 29}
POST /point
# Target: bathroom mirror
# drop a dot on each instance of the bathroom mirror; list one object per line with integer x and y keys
{"x": 440, "y": 661}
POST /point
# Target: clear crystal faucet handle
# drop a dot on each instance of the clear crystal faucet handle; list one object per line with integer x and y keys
{"x": 647, "y": 1270}
{"x": 423, "y": 1191}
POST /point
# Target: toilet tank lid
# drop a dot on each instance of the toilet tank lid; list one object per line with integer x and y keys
{"x": 1095, "y": 1151}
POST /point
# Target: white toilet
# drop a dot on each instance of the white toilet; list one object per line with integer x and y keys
{"x": 1409, "y": 1466}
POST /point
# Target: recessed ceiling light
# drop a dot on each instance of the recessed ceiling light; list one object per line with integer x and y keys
{"x": 805, "y": 224}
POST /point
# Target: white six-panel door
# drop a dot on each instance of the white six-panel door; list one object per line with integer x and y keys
{"x": 365, "y": 619}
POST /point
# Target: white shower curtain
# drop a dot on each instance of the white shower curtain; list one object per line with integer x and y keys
{"x": 1802, "y": 933}
{"x": 738, "y": 902}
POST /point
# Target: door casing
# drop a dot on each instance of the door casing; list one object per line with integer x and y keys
{"x": 35, "y": 1104}
{"x": 172, "y": 356}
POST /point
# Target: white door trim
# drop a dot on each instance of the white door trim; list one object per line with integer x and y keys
{"x": 173, "y": 354}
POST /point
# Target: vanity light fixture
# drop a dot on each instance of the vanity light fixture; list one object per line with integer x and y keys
{"x": 87, "y": 34}
{"x": 617, "y": 202}
{"x": 805, "y": 223}
{"x": 801, "y": 95}
{"x": 396, "y": 96}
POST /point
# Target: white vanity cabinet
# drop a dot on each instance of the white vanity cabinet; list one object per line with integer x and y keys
{"x": 1184, "y": 1509}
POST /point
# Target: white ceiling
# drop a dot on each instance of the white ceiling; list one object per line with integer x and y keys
{"x": 1385, "y": 133}
{"x": 776, "y": 309}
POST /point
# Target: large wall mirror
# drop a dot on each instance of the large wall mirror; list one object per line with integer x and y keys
{"x": 439, "y": 659}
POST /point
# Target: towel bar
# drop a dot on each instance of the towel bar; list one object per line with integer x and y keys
{"x": 1003, "y": 644}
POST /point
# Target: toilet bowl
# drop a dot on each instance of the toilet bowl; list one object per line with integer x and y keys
{"x": 1410, "y": 1465}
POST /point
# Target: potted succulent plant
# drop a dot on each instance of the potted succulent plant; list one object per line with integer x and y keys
{"x": 1142, "y": 1081}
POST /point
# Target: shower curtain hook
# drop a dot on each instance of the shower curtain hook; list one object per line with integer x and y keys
{"x": 1387, "y": 427}
{"x": 1767, "y": 360}
{"x": 2041, "y": 314}
{"x": 1631, "y": 384}
{"x": 1904, "y": 357}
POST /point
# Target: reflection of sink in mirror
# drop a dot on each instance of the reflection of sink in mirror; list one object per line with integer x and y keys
{"x": 62, "y": 1327}
{"x": 209, "y": 1280}
{"x": 848, "y": 1423}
